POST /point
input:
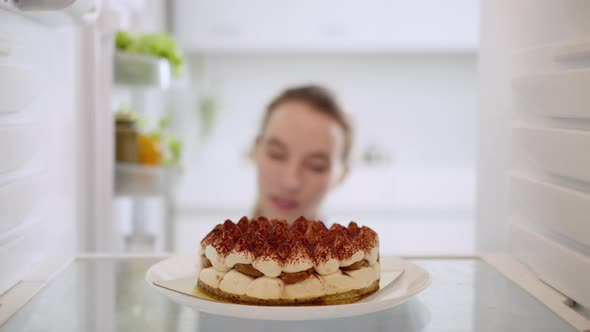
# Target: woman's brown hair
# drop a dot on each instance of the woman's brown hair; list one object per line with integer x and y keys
{"x": 320, "y": 99}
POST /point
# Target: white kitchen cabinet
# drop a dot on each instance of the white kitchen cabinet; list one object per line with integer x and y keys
{"x": 211, "y": 26}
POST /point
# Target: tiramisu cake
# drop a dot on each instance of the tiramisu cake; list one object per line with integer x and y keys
{"x": 269, "y": 262}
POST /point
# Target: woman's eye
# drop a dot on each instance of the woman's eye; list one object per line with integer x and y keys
{"x": 318, "y": 168}
{"x": 276, "y": 155}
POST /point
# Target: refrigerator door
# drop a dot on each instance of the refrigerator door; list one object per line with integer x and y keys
{"x": 43, "y": 115}
{"x": 534, "y": 161}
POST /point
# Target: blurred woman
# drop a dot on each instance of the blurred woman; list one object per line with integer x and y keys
{"x": 301, "y": 152}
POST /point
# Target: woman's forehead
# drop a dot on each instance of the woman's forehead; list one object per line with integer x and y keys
{"x": 300, "y": 127}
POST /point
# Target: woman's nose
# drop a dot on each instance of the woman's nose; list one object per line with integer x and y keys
{"x": 291, "y": 179}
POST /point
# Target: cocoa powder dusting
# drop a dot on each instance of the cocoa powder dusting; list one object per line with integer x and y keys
{"x": 276, "y": 239}
{"x": 353, "y": 229}
{"x": 366, "y": 239}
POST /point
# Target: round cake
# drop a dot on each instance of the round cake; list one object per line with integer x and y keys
{"x": 269, "y": 262}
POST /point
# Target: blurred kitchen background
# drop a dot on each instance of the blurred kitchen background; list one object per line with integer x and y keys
{"x": 410, "y": 88}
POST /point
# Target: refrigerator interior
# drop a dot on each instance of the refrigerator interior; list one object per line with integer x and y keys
{"x": 437, "y": 170}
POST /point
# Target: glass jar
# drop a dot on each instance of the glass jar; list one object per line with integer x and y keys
{"x": 126, "y": 139}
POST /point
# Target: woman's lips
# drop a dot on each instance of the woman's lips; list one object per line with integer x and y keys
{"x": 284, "y": 204}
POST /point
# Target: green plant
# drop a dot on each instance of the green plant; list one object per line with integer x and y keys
{"x": 158, "y": 44}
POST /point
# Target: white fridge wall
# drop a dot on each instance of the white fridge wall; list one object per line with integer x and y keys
{"x": 534, "y": 179}
{"x": 38, "y": 162}
{"x": 495, "y": 111}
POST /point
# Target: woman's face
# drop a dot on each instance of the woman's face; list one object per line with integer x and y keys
{"x": 299, "y": 159}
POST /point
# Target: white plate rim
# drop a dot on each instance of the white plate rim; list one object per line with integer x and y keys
{"x": 375, "y": 304}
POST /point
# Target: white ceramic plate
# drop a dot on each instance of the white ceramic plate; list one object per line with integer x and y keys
{"x": 411, "y": 282}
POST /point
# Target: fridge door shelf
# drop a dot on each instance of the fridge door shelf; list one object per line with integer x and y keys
{"x": 139, "y": 180}
{"x": 21, "y": 194}
{"x": 57, "y": 12}
{"x": 141, "y": 71}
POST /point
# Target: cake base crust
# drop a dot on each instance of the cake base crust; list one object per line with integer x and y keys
{"x": 339, "y": 298}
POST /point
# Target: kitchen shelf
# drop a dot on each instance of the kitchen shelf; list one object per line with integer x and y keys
{"x": 139, "y": 180}
{"x": 332, "y": 27}
{"x": 137, "y": 70}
